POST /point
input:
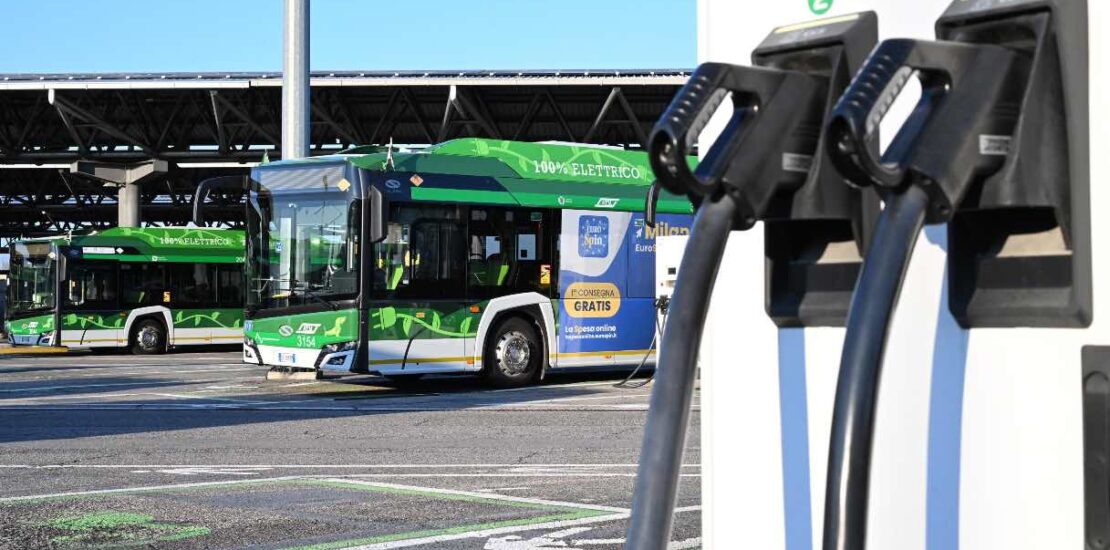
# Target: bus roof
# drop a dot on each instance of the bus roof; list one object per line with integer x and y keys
{"x": 156, "y": 244}
{"x": 549, "y": 175}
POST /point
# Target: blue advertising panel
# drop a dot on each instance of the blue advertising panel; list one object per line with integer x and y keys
{"x": 607, "y": 282}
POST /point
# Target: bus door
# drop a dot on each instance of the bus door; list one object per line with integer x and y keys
{"x": 418, "y": 315}
{"x": 510, "y": 251}
{"x": 91, "y": 314}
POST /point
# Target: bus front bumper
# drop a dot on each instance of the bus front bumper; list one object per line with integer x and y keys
{"x": 332, "y": 358}
{"x": 43, "y": 339}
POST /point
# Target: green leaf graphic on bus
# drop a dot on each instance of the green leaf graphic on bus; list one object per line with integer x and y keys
{"x": 74, "y": 320}
{"x": 207, "y": 319}
{"x": 416, "y": 322}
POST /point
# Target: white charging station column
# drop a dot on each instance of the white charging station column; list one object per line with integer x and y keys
{"x": 668, "y": 256}
{"x": 979, "y": 434}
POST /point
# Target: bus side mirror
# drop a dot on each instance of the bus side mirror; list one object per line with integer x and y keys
{"x": 377, "y": 230}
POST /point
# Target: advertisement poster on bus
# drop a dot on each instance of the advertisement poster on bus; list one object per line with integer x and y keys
{"x": 607, "y": 285}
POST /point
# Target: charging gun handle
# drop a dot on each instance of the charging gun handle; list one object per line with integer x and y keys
{"x": 673, "y": 138}
{"x": 854, "y": 122}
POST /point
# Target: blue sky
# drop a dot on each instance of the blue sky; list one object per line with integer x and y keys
{"x": 245, "y": 35}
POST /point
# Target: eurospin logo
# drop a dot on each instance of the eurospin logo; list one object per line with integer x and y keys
{"x": 593, "y": 236}
{"x": 820, "y": 7}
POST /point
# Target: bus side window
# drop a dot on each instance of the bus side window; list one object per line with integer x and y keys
{"x": 141, "y": 284}
{"x": 193, "y": 285}
{"x": 436, "y": 260}
{"x": 230, "y": 286}
{"x": 423, "y": 255}
{"x": 488, "y": 260}
{"x": 93, "y": 286}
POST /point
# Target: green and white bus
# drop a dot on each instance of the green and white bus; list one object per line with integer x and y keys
{"x": 147, "y": 289}
{"x": 473, "y": 256}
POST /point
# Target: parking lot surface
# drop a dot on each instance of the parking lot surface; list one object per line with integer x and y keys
{"x": 197, "y": 450}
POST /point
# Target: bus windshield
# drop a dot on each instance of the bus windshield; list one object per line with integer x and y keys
{"x": 302, "y": 239}
{"x": 31, "y": 280}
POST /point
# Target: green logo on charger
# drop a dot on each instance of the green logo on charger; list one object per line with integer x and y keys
{"x": 819, "y": 7}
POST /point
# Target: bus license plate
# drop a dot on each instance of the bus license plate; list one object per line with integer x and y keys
{"x": 287, "y": 357}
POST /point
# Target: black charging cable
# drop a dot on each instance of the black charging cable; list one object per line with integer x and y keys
{"x": 661, "y": 305}
{"x": 923, "y": 175}
{"x": 733, "y": 186}
{"x": 676, "y": 374}
{"x": 869, "y": 316}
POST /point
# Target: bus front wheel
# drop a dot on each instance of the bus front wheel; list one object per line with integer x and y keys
{"x": 149, "y": 338}
{"x": 513, "y": 355}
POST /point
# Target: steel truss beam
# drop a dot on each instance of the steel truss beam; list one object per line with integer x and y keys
{"x": 202, "y": 122}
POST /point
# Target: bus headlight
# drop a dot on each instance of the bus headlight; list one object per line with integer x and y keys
{"x": 336, "y": 348}
{"x": 249, "y": 342}
{"x": 46, "y": 338}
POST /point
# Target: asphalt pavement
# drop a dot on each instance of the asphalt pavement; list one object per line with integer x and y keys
{"x": 197, "y": 450}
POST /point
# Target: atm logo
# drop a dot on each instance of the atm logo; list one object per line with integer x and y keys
{"x": 593, "y": 236}
{"x": 820, "y": 7}
{"x": 308, "y": 328}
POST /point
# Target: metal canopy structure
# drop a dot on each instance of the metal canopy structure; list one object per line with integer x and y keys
{"x": 211, "y": 124}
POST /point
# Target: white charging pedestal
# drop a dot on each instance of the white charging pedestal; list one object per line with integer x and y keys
{"x": 978, "y": 442}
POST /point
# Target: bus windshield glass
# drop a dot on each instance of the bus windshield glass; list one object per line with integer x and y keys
{"x": 31, "y": 279}
{"x": 302, "y": 238}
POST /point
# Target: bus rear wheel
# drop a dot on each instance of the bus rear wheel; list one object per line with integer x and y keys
{"x": 513, "y": 354}
{"x": 148, "y": 338}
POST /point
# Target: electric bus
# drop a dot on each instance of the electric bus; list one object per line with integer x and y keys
{"x": 147, "y": 289}
{"x": 497, "y": 258}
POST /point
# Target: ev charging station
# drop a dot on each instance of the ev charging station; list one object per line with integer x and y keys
{"x": 987, "y": 427}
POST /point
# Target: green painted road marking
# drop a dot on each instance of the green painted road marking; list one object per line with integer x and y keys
{"x": 119, "y": 530}
{"x": 116, "y": 529}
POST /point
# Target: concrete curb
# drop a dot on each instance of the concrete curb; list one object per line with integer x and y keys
{"x": 33, "y": 350}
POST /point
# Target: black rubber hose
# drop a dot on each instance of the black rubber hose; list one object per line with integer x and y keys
{"x": 676, "y": 371}
{"x": 869, "y": 316}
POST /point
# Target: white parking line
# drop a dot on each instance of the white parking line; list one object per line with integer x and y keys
{"x": 486, "y": 533}
{"x": 325, "y": 466}
{"x": 583, "y": 398}
{"x": 280, "y": 406}
{"x": 79, "y": 386}
{"x": 146, "y": 488}
{"x": 509, "y": 498}
{"x": 511, "y": 475}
